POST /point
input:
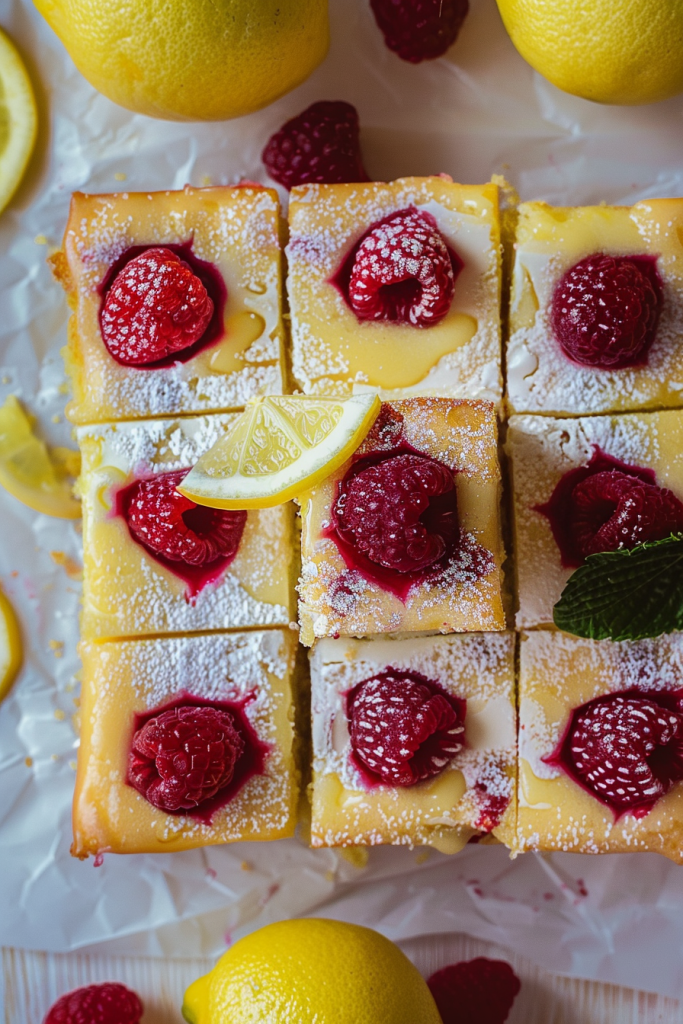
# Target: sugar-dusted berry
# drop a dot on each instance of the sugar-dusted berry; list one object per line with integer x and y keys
{"x": 404, "y": 727}
{"x": 322, "y": 145}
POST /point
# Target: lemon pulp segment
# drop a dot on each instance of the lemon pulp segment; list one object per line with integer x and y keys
{"x": 10, "y": 646}
{"x": 18, "y": 119}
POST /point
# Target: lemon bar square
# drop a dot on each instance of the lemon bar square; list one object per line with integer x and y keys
{"x": 127, "y": 589}
{"x": 342, "y": 594}
{"x": 334, "y": 352}
{"x": 126, "y": 682}
{"x": 235, "y": 231}
{"x": 472, "y": 795}
{"x": 551, "y": 240}
{"x": 542, "y": 450}
{"x": 559, "y": 674}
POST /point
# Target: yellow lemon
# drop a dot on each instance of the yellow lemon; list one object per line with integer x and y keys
{"x": 18, "y": 119}
{"x": 611, "y": 51}
{"x": 10, "y": 646}
{"x": 37, "y": 477}
{"x": 196, "y": 60}
{"x": 312, "y": 971}
{"x": 278, "y": 448}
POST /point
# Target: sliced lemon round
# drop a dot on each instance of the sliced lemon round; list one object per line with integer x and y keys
{"x": 11, "y": 653}
{"x": 28, "y": 470}
{"x": 18, "y": 119}
{"x": 278, "y": 448}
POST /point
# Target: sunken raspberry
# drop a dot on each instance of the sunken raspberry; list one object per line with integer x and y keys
{"x": 155, "y": 307}
{"x": 403, "y": 271}
{"x": 109, "y": 1003}
{"x": 605, "y": 310}
{"x": 480, "y": 990}
{"x": 419, "y": 30}
{"x": 404, "y": 727}
{"x": 320, "y": 145}
{"x": 626, "y": 749}
{"x": 184, "y": 756}
{"x": 613, "y": 510}
{"x": 171, "y": 526}
{"x": 401, "y": 512}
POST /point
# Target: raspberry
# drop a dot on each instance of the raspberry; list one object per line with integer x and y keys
{"x": 605, "y": 311}
{"x": 403, "y": 271}
{"x": 109, "y": 1003}
{"x": 155, "y": 307}
{"x": 404, "y": 727}
{"x": 321, "y": 145}
{"x": 480, "y": 990}
{"x": 627, "y": 749}
{"x": 184, "y": 756}
{"x": 401, "y": 513}
{"x": 419, "y": 30}
{"x": 171, "y": 526}
{"x": 613, "y": 510}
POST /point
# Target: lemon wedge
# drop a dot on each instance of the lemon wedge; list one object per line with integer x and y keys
{"x": 33, "y": 475}
{"x": 18, "y": 119}
{"x": 10, "y": 646}
{"x": 278, "y": 448}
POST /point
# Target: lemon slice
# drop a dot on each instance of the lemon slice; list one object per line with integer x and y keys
{"x": 10, "y": 646}
{"x": 278, "y": 448}
{"x": 18, "y": 119}
{"x": 28, "y": 470}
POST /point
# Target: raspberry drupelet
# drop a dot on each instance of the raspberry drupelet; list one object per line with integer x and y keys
{"x": 419, "y": 30}
{"x": 107, "y": 1003}
{"x": 155, "y": 307}
{"x": 320, "y": 145}
{"x": 404, "y": 727}
{"x": 184, "y": 757}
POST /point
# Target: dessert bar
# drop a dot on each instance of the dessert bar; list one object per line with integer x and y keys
{"x": 185, "y": 742}
{"x": 154, "y": 562}
{"x": 596, "y": 310}
{"x": 600, "y": 745}
{"x": 396, "y": 286}
{"x": 406, "y": 534}
{"x": 414, "y": 740}
{"x": 176, "y": 300}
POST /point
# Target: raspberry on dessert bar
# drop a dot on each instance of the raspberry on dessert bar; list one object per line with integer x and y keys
{"x": 580, "y": 486}
{"x": 414, "y": 740}
{"x": 396, "y": 286}
{"x": 596, "y": 310}
{"x": 406, "y": 534}
{"x": 321, "y": 144}
{"x": 600, "y": 745}
{"x": 154, "y": 562}
{"x": 176, "y": 300}
{"x": 185, "y": 741}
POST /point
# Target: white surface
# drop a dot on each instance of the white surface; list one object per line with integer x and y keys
{"x": 478, "y": 111}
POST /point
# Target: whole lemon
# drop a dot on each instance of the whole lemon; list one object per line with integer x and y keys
{"x": 192, "y": 59}
{"x": 312, "y": 971}
{"x": 611, "y": 51}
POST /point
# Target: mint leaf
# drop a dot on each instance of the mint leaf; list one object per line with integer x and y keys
{"x": 626, "y": 594}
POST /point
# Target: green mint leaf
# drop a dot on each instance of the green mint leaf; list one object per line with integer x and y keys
{"x": 626, "y": 594}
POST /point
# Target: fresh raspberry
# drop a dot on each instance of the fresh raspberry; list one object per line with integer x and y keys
{"x": 109, "y": 1003}
{"x": 320, "y": 145}
{"x": 613, "y": 510}
{"x": 171, "y": 526}
{"x": 627, "y": 749}
{"x": 480, "y": 990}
{"x": 419, "y": 30}
{"x": 403, "y": 271}
{"x": 184, "y": 756}
{"x": 401, "y": 513}
{"x": 605, "y": 311}
{"x": 155, "y": 307}
{"x": 404, "y": 728}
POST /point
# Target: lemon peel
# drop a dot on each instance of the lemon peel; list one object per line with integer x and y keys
{"x": 278, "y": 448}
{"x": 18, "y": 119}
{"x": 30, "y": 472}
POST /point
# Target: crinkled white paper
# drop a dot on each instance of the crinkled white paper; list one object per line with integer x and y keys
{"x": 478, "y": 111}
